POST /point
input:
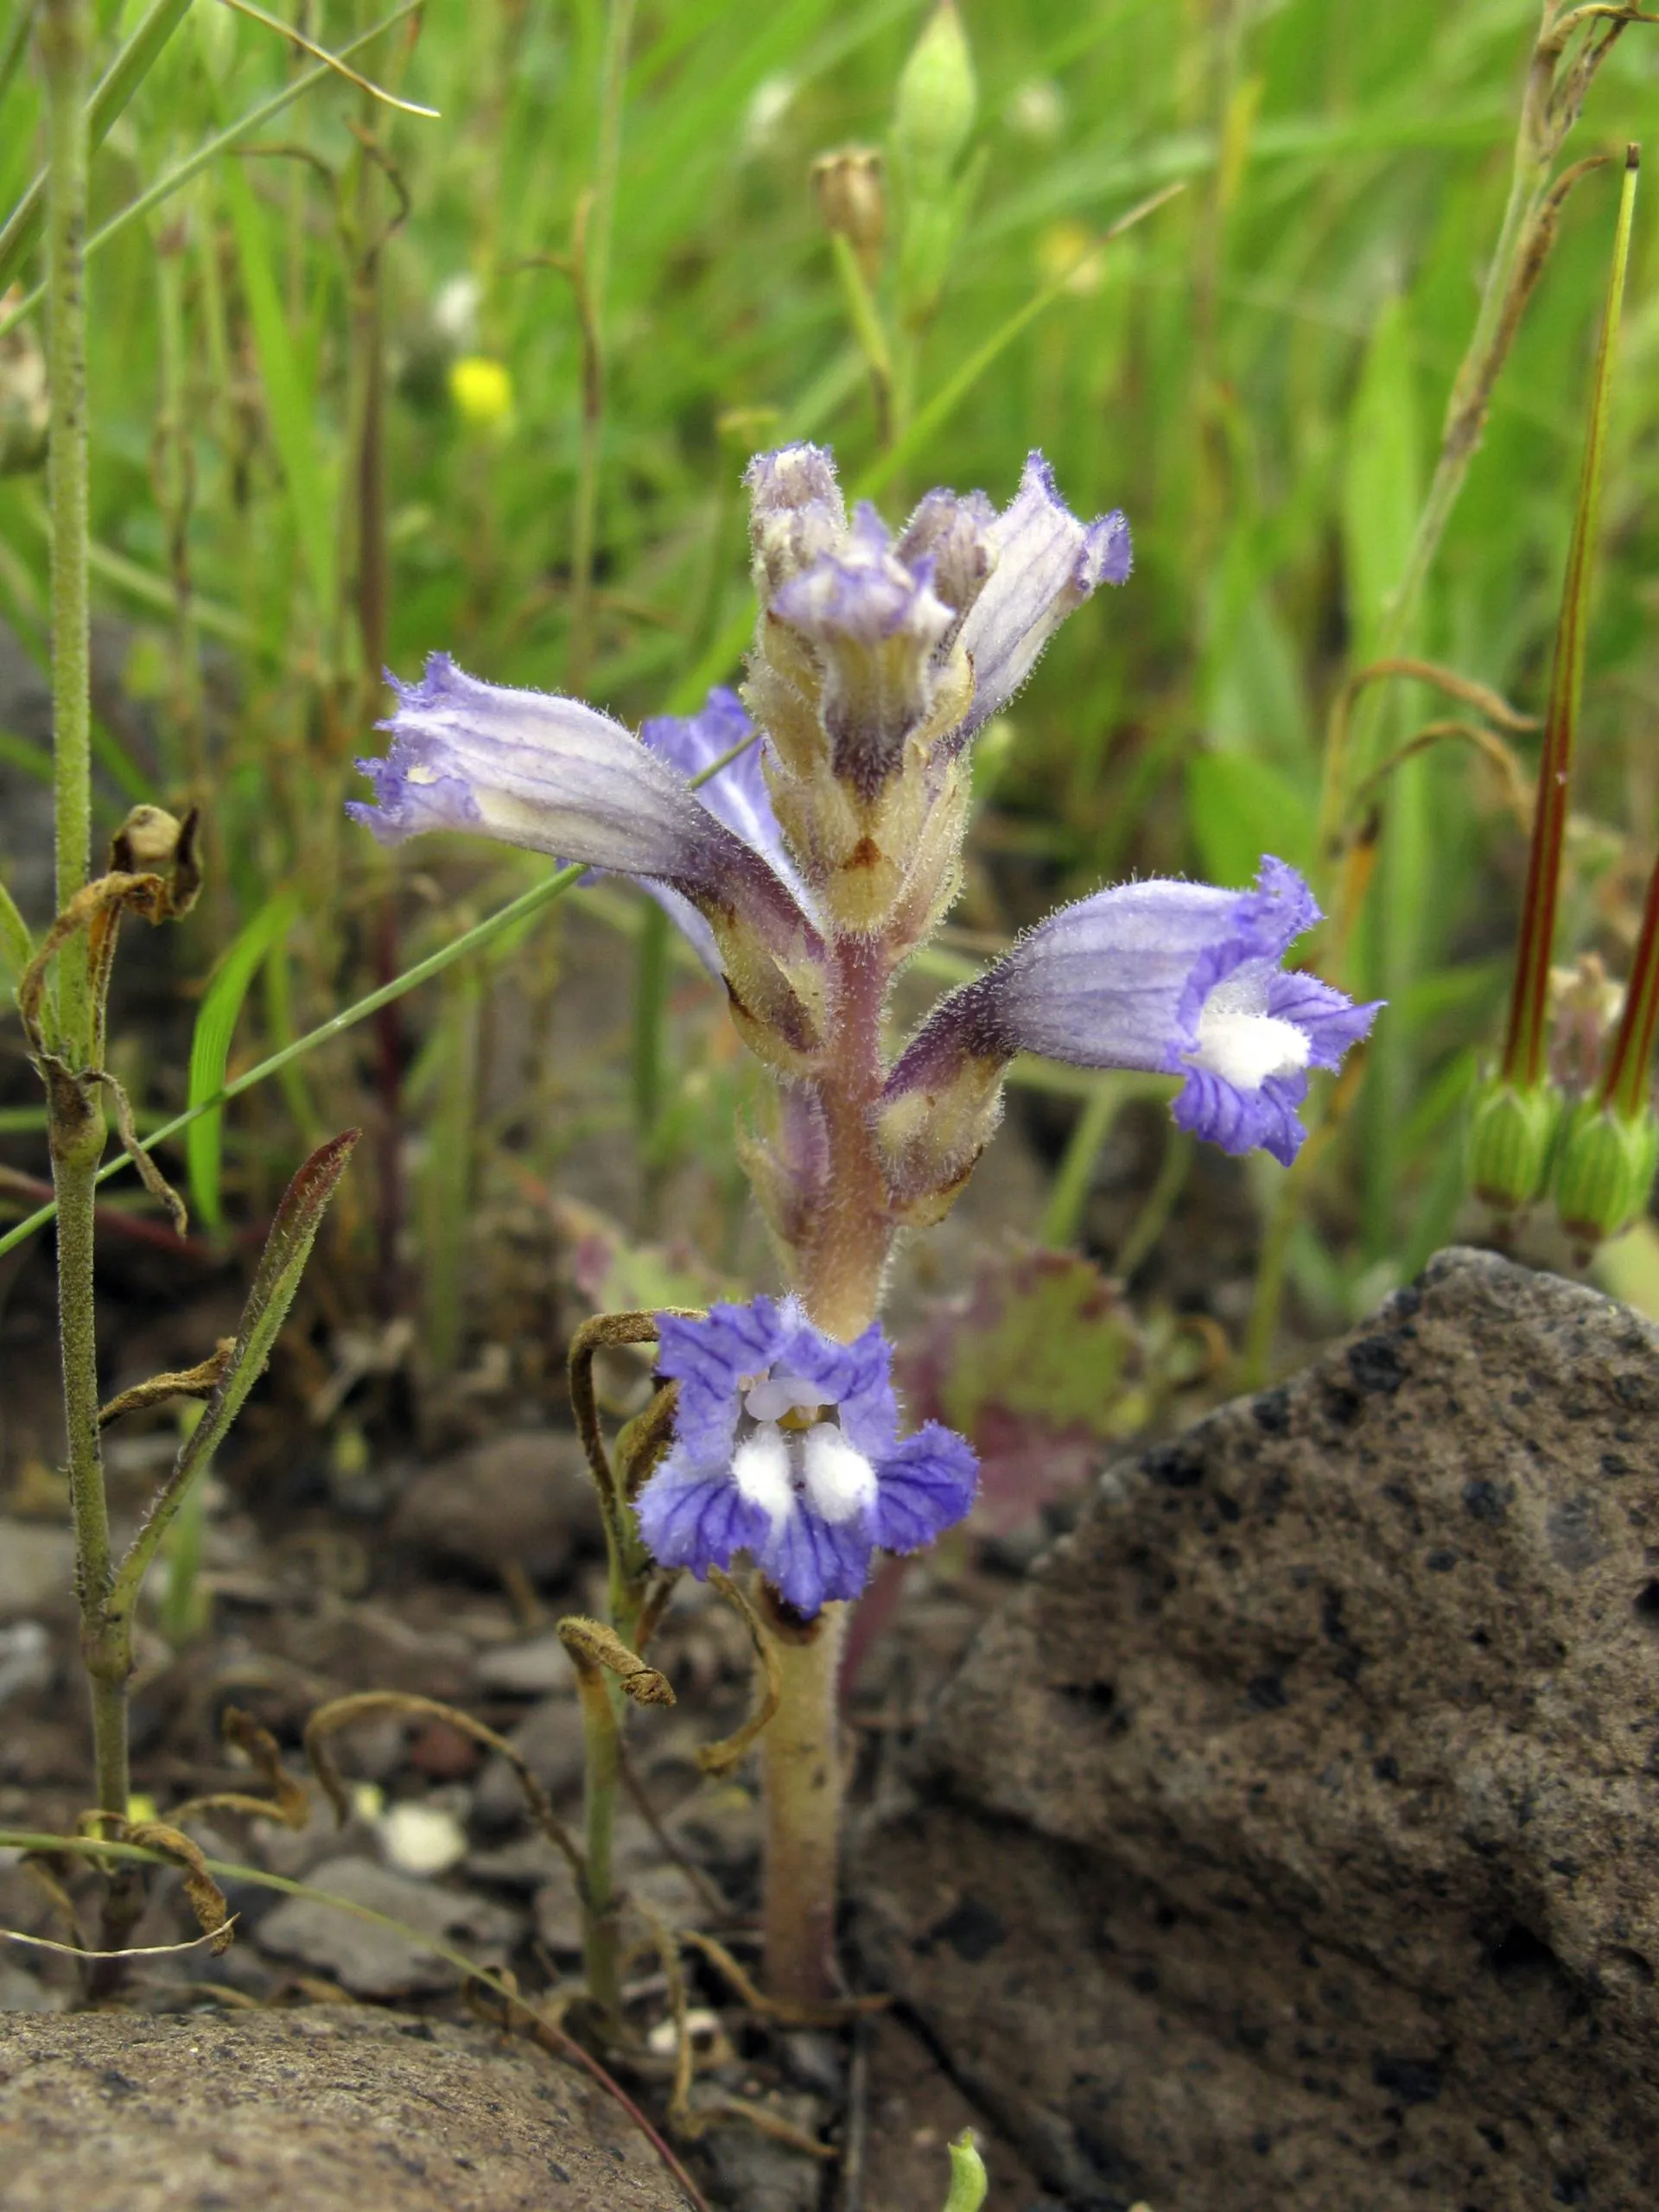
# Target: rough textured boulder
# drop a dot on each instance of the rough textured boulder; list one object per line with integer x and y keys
{"x": 1288, "y": 1841}
{"x": 329, "y": 2110}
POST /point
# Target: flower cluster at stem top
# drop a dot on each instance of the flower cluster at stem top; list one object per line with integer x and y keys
{"x": 822, "y": 848}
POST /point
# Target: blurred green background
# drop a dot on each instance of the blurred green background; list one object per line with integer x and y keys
{"x": 343, "y": 408}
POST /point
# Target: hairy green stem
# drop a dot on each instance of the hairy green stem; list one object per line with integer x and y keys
{"x": 66, "y": 47}
{"x": 74, "y": 1103}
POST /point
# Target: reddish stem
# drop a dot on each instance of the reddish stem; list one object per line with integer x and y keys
{"x": 841, "y": 1267}
{"x": 1624, "y": 1081}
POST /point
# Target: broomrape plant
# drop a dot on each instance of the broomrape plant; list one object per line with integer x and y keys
{"x": 822, "y": 849}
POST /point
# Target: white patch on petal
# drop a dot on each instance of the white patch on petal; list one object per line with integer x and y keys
{"x": 420, "y": 773}
{"x": 1242, "y": 1043}
{"x": 760, "y": 1469}
{"x": 774, "y": 1395}
{"x": 840, "y": 1481}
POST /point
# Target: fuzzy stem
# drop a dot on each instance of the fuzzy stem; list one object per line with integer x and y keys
{"x": 840, "y": 1272}
{"x": 601, "y": 1720}
{"x": 65, "y": 49}
{"x": 839, "y": 1268}
{"x": 74, "y": 1109}
{"x": 801, "y": 1756}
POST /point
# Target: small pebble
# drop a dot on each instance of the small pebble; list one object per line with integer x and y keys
{"x": 422, "y": 1839}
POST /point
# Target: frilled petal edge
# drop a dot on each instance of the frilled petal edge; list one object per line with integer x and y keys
{"x": 695, "y": 1517}
{"x": 923, "y": 1487}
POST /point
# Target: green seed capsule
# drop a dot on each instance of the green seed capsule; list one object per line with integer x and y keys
{"x": 1510, "y": 1137}
{"x": 1603, "y": 1170}
{"x": 936, "y": 103}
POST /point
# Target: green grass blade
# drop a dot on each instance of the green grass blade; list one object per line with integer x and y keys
{"x": 16, "y": 47}
{"x": 276, "y": 1281}
{"x": 16, "y": 945}
{"x": 932, "y": 418}
{"x": 23, "y": 754}
{"x": 109, "y": 96}
{"x": 210, "y": 1047}
{"x": 290, "y": 400}
{"x": 516, "y": 911}
{"x": 207, "y": 153}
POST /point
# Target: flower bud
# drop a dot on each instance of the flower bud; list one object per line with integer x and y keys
{"x": 936, "y": 102}
{"x": 853, "y": 201}
{"x": 1510, "y": 1137}
{"x": 1604, "y": 1168}
{"x": 153, "y": 842}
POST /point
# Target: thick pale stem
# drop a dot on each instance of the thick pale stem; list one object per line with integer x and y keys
{"x": 801, "y": 1752}
{"x": 839, "y": 1276}
{"x": 601, "y": 1720}
{"x": 839, "y": 1268}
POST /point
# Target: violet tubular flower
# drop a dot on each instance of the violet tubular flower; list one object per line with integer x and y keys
{"x": 533, "y": 769}
{"x": 878, "y": 657}
{"x": 786, "y": 1446}
{"x": 1172, "y": 978}
{"x": 735, "y": 793}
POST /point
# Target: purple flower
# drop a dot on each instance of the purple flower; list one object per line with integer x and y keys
{"x": 875, "y": 624}
{"x": 1045, "y": 562}
{"x": 786, "y": 1446}
{"x": 532, "y": 768}
{"x": 735, "y": 794}
{"x": 1175, "y": 978}
{"x": 916, "y": 640}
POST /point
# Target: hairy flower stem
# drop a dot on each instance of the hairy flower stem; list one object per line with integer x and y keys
{"x": 840, "y": 1282}
{"x": 74, "y": 1106}
{"x": 841, "y": 1266}
{"x": 801, "y": 1758}
{"x": 601, "y": 1948}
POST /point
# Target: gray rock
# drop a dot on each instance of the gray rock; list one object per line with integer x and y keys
{"x": 37, "y": 1564}
{"x": 330, "y": 2110}
{"x": 21, "y": 1993}
{"x": 549, "y": 1741}
{"x": 524, "y": 1500}
{"x": 535, "y": 1669}
{"x": 25, "y": 1659}
{"x": 754, "y": 2172}
{"x": 375, "y": 1961}
{"x": 1288, "y": 1840}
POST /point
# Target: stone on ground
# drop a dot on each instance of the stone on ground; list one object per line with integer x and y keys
{"x": 1288, "y": 1840}
{"x": 324, "y": 2110}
